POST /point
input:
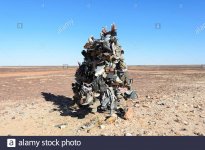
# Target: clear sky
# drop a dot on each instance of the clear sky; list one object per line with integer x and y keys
{"x": 53, "y": 32}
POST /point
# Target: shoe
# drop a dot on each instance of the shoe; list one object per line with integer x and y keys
{"x": 99, "y": 71}
{"x": 89, "y": 99}
{"x": 118, "y": 80}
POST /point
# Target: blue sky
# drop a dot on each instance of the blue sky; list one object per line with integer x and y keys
{"x": 54, "y": 32}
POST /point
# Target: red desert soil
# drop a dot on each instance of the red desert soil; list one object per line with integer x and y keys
{"x": 38, "y": 101}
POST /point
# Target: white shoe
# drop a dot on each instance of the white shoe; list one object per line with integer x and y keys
{"x": 99, "y": 71}
{"x": 118, "y": 80}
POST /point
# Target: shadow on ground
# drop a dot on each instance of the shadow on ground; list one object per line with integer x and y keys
{"x": 66, "y": 106}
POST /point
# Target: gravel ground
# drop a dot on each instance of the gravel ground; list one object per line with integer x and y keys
{"x": 38, "y": 101}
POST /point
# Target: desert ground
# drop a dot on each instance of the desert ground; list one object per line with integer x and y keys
{"x": 38, "y": 101}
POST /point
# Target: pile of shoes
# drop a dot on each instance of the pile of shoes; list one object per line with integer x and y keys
{"x": 103, "y": 76}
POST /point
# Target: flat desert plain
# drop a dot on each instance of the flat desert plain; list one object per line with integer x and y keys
{"x": 38, "y": 101}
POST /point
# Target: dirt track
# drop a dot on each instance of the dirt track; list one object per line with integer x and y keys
{"x": 38, "y": 101}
